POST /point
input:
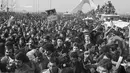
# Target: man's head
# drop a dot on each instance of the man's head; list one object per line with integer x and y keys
{"x": 53, "y": 41}
{"x": 87, "y": 38}
{"x": 59, "y": 41}
{"x": 75, "y": 47}
{"x": 74, "y": 57}
{"x": 48, "y": 49}
{"x": 86, "y": 54}
{"x": 21, "y": 59}
{"x": 21, "y": 41}
{"x": 8, "y": 52}
{"x": 104, "y": 66}
{"x": 53, "y": 61}
{"x": 46, "y": 38}
{"x": 18, "y": 63}
{"x": 30, "y": 43}
{"x": 8, "y": 49}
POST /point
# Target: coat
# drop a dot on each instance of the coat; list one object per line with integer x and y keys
{"x": 26, "y": 68}
{"x": 44, "y": 62}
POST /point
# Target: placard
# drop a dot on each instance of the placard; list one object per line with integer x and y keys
{"x": 52, "y": 15}
{"x": 52, "y": 18}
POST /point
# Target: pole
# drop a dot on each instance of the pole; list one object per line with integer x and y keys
{"x": 129, "y": 38}
{"x": 1, "y": 4}
{"x": 38, "y": 6}
{"x": 33, "y": 5}
{"x": 7, "y": 5}
{"x": 50, "y": 4}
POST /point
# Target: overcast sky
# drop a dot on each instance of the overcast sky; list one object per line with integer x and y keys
{"x": 122, "y": 6}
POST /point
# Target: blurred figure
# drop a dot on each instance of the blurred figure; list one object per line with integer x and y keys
{"x": 7, "y": 60}
{"x": 23, "y": 65}
{"x": 104, "y": 66}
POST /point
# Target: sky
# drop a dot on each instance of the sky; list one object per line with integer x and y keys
{"x": 122, "y": 6}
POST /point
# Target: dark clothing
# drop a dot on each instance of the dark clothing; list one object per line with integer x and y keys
{"x": 4, "y": 65}
{"x": 2, "y": 47}
{"x": 61, "y": 49}
{"x": 44, "y": 62}
{"x": 78, "y": 67}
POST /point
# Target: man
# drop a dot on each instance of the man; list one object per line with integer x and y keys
{"x": 75, "y": 48}
{"x": 88, "y": 61}
{"x": 76, "y": 65}
{"x": 104, "y": 66}
{"x": 7, "y": 59}
{"x": 52, "y": 66}
{"x": 47, "y": 39}
{"x": 23, "y": 65}
{"x": 2, "y": 48}
{"x": 60, "y": 46}
{"x": 87, "y": 41}
{"x": 48, "y": 50}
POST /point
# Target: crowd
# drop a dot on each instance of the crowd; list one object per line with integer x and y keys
{"x": 108, "y": 8}
{"x": 31, "y": 44}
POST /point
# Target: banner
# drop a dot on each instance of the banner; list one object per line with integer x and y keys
{"x": 52, "y": 15}
{"x": 51, "y": 12}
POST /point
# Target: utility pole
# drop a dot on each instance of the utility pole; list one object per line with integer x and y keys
{"x": 50, "y": 3}
{"x": 129, "y": 38}
{"x": 34, "y": 5}
{"x": 7, "y": 5}
{"x": 38, "y": 6}
{"x": 1, "y": 5}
